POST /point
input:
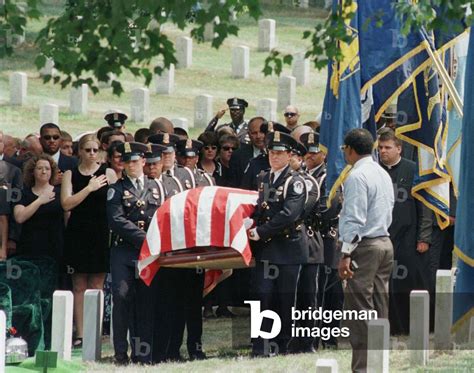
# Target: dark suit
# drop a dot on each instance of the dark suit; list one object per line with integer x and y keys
{"x": 129, "y": 213}
{"x": 10, "y": 192}
{"x": 281, "y": 250}
{"x": 66, "y": 163}
{"x": 255, "y": 166}
{"x": 238, "y": 163}
{"x": 14, "y": 161}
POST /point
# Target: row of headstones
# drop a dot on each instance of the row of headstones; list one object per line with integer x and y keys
{"x": 378, "y": 346}
{"x": 140, "y": 102}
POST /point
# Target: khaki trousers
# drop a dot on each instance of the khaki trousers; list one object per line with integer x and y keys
{"x": 367, "y": 290}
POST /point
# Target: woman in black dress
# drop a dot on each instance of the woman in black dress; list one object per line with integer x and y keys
{"x": 39, "y": 210}
{"x": 86, "y": 246}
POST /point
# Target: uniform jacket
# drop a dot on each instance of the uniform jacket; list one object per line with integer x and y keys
{"x": 238, "y": 163}
{"x": 282, "y": 236}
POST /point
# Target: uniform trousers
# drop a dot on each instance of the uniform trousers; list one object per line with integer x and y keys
{"x": 367, "y": 290}
{"x": 276, "y": 290}
{"x": 125, "y": 302}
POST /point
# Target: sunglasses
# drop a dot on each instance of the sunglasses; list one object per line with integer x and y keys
{"x": 49, "y": 137}
{"x": 210, "y": 147}
{"x": 227, "y": 148}
{"x": 91, "y": 150}
{"x": 290, "y": 115}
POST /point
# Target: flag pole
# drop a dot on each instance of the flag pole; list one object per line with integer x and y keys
{"x": 443, "y": 73}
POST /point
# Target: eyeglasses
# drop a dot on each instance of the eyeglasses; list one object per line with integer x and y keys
{"x": 227, "y": 148}
{"x": 343, "y": 147}
{"x": 210, "y": 147}
{"x": 49, "y": 137}
{"x": 91, "y": 150}
{"x": 290, "y": 115}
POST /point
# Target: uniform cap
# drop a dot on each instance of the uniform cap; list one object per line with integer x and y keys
{"x": 188, "y": 147}
{"x": 280, "y": 141}
{"x": 166, "y": 139}
{"x": 115, "y": 118}
{"x": 311, "y": 141}
{"x": 131, "y": 151}
{"x": 153, "y": 153}
{"x": 237, "y": 103}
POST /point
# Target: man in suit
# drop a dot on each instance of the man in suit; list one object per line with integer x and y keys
{"x": 280, "y": 243}
{"x": 50, "y": 139}
{"x": 10, "y": 189}
{"x": 131, "y": 204}
{"x": 241, "y": 157}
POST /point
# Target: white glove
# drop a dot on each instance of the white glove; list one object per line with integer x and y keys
{"x": 248, "y": 223}
{"x": 253, "y": 235}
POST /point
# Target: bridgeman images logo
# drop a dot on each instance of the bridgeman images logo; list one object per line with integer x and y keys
{"x": 312, "y": 314}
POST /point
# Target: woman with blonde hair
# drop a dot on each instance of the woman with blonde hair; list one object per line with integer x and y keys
{"x": 84, "y": 194}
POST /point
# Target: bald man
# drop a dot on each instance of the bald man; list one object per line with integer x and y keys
{"x": 160, "y": 125}
{"x": 292, "y": 115}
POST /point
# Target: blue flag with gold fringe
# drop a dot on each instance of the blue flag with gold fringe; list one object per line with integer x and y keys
{"x": 464, "y": 232}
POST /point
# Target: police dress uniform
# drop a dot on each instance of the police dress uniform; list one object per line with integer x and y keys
{"x": 130, "y": 209}
{"x": 281, "y": 246}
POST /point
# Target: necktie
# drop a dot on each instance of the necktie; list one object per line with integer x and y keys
{"x": 272, "y": 178}
{"x": 139, "y": 185}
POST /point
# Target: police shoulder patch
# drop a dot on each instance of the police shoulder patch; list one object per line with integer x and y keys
{"x": 298, "y": 187}
{"x": 110, "y": 194}
{"x": 309, "y": 184}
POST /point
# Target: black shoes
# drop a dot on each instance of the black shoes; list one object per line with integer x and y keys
{"x": 198, "y": 355}
{"x": 121, "y": 359}
{"x": 224, "y": 312}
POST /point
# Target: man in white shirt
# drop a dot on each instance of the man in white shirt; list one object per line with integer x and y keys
{"x": 366, "y": 247}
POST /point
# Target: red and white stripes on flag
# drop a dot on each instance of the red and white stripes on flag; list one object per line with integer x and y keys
{"x": 206, "y": 216}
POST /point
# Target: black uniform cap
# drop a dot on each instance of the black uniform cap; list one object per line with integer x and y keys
{"x": 153, "y": 153}
{"x": 311, "y": 141}
{"x": 115, "y": 118}
{"x": 237, "y": 103}
{"x": 300, "y": 149}
{"x": 168, "y": 140}
{"x": 131, "y": 151}
{"x": 273, "y": 126}
{"x": 280, "y": 141}
{"x": 188, "y": 147}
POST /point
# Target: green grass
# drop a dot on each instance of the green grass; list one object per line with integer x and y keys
{"x": 209, "y": 74}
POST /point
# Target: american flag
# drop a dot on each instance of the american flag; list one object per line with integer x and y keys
{"x": 206, "y": 216}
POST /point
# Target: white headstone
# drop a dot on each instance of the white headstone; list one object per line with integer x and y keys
{"x": 209, "y": 32}
{"x": 465, "y": 333}
{"x": 48, "y": 68}
{"x": 78, "y": 99}
{"x": 93, "y": 314}
{"x": 240, "y": 62}
{"x": 155, "y": 25}
{"x": 165, "y": 81}
{"x": 286, "y": 91}
{"x": 266, "y": 35}
{"x": 3, "y": 336}
{"x": 61, "y": 334}
{"x": 49, "y": 113}
{"x": 184, "y": 52}
{"x": 140, "y": 105}
{"x": 327, "y": 366}
{"x": 304, "y": 4}
{"x": 419, "y": 326}
{"x": 378, "y": 346}
{"x": 266, "y": 107}
{"x": 181, "y": 123}
{"x": 202, "y": 110}
{"x": 443, "y": 310}
{"x": 18, "y": 87}
{"x": 301, "y": 69}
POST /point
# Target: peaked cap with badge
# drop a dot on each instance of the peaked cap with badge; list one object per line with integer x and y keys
{"x": 188, "y": 147}
{"x": 132, "y": 151}
{"x": 311, "y": 141}
{"x": 237, "y": 103}
{"x": 273, "y": 126}
{"x": 115, "y": 118}
{"x": 280, "y": 141}
{"x": 153, "y": 153}
{"x": 168, "y": 140}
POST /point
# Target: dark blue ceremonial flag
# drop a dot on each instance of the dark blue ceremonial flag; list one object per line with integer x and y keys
{"x": 464, "y": 229}
{"x": 342, "y": 103}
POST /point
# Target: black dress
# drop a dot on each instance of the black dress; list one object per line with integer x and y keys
{"x": 42, "y": 234}
{"x": 86, "y": 245}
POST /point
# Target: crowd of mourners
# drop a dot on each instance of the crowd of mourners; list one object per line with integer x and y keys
{"x": 55, "y": 190}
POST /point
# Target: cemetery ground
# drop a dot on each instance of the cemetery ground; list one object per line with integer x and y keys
{"x": 210, "y": 73}
{"x": 217, "y": 341}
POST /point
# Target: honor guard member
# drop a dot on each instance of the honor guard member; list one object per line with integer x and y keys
{"x": 116, "y": 119}
{"x": 175, "y": 178}
{"x": 308, "y": 278}
{"x": 131, "y": 203}
{"x": 281, "y": 245}
{"x": 170, "y": 310}
{"x": 192, "y": 283}
{"x": 153, "y": 162}
{"x": 330, "y": 294}
{"x": 260, "y": 162}
{"x": 238, "y": 124}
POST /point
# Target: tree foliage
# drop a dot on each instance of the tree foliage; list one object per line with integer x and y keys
{"x": 92, "y": 39}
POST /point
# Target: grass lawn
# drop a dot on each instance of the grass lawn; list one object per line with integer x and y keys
{"x": 217, "y": 341}
{"x": 209, "y": 74}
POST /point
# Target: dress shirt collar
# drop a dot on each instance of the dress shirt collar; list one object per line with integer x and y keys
{"x": 362, "y": 161}
{"x": 256, "y": 151}
{"x": 277, "y": 174}
{"x": 314, "y": 169}
{"x": 55, "y": 156}
{"x": 134, "y": 181}
{"x": 1, "y": 157}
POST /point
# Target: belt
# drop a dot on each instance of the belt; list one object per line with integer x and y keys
{"x": 373, "y": 238}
